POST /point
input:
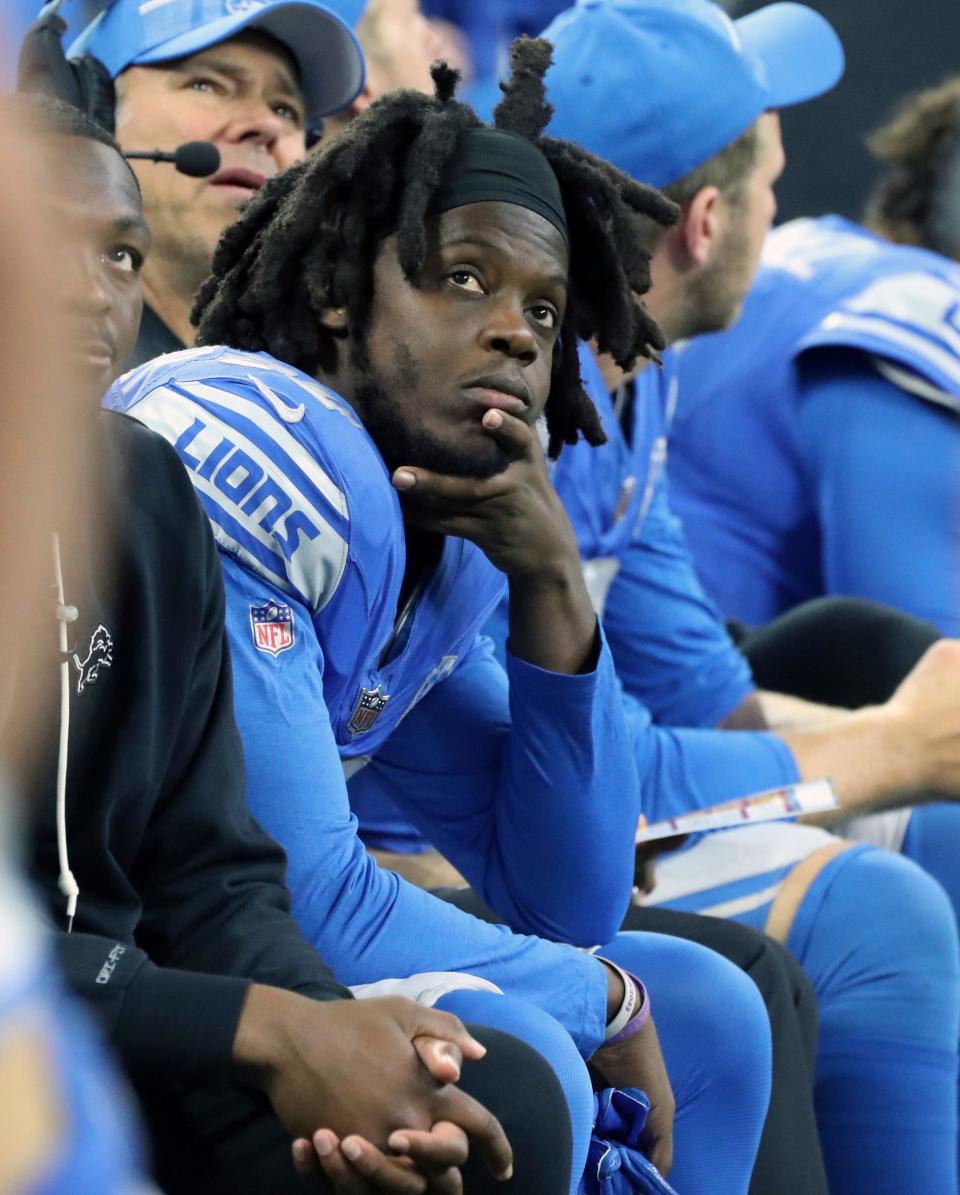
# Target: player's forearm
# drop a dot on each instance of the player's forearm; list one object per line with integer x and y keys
{"x": 869, "y": 757}
{"x": 381, "y": 926}
{"x": 781, "y": 712}
{"x": 764, "y": 710}
{"x": 567, "y": 805}
{"x": 552, "y": 622}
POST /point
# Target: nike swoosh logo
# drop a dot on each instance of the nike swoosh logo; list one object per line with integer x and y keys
{"x": 287, "y": 413}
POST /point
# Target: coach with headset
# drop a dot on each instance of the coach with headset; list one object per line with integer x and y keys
{"x": 255, "y": 78}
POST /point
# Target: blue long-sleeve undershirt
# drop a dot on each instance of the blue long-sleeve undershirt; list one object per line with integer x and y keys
{"x": 523, "y": 779}
{"x": 676, "y": 662}
{"x": 669, "y": 643}
{"x": 884, "y": 469}
{"x": 368, "y": 923}
{"x": 681, "y": 675}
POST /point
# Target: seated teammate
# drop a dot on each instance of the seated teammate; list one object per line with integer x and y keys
{"x": 672, "y": 652}
{"x": 841, "y": 379}
{"x": 235, "y": 1034}
{"x": 63, "y": 1124}
{"x": 406, "y": 289}
{"x": 825, "y": 898}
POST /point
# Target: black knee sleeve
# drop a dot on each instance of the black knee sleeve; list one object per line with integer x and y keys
{"x": 840, "y": 651}
{"x": 521, "y": 1090}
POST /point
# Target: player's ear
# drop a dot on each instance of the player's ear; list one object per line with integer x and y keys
{"x": 334, "y": 320}
{"x": 701, "y": 225}
{"x": 363, "y": 101}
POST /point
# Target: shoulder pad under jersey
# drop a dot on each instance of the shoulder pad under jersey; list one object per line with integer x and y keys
{"x": 909, "y": 319}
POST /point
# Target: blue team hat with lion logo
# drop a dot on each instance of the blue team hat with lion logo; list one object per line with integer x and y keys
{"x": 141, "y": 32}
{"x": 659, "y": 86}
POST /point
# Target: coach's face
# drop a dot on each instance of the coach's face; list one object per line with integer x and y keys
{"x": 243, "y": 95}
{"x": 477, "y": 334}
{"x": 94, "y": 219}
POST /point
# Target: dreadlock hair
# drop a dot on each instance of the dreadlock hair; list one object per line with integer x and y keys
{"x": 308, "y": 240}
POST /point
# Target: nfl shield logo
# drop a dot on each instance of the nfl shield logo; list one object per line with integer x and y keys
{"x": 272, "y": 627}
{"x": 370, "y": 705}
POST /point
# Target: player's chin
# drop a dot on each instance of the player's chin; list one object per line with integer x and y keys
{"x": 455, "y": 451}
{"x": 477, "y": 457}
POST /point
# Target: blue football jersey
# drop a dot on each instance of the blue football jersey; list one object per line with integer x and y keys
{"x": 496, "y": 767}
{"x": 815, "y": 448}
{"x": 670, "y": 646}
{"x": 679, "y": 670}
{"x": 300, "y": 498}
{"x": 608, "y": 491}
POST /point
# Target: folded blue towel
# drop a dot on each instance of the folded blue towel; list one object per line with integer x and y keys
{"x": 615, "y": 1165}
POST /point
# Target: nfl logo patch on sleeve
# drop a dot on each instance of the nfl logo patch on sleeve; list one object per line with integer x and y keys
{"x": 370, "y": 705}
{"x": 272, "y": 627}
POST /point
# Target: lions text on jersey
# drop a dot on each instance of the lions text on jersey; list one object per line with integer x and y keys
{"x": 299, "y": 498}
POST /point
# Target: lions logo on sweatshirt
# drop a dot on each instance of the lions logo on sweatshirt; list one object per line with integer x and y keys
{"x": 99, "y": 656}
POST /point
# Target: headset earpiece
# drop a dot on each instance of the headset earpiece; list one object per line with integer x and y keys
{"x": 44, "y": 67}
{"x": 97, "y": 90}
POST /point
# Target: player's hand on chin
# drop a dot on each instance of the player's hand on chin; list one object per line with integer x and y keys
{"x": 515, "y": 517}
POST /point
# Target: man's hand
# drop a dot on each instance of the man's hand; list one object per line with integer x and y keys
{"x": 516, "y": 517}
{"x": 925, "y": 712}
{"x": 638, "y": 1062}
{"x": 364, "y": 1068}
{"x": 428, "y": 1162}
{"x": 887, "y": 754}
{"x": 518, "y": 520}
{"x": 645, "y": 856}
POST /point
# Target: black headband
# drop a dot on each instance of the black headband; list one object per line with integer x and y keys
{"x": 502, "y": 167}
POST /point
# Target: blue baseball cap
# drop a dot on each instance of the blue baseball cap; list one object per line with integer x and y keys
{"x": 659, "y": 86}
{"x": 141, "y": 32}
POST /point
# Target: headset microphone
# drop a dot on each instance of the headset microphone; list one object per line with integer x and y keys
{"x": 197, "y": 159}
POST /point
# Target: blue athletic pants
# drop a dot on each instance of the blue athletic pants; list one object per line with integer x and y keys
{"x": 878, "y": 939}
{"x": 933, "y": 841}
{"x": 715, "y": 1038}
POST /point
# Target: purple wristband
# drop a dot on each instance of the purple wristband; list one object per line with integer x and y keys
{"x": 639, "y": 1018}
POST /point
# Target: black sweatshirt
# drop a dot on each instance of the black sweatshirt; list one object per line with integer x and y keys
{"x": 182, "y": 897}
